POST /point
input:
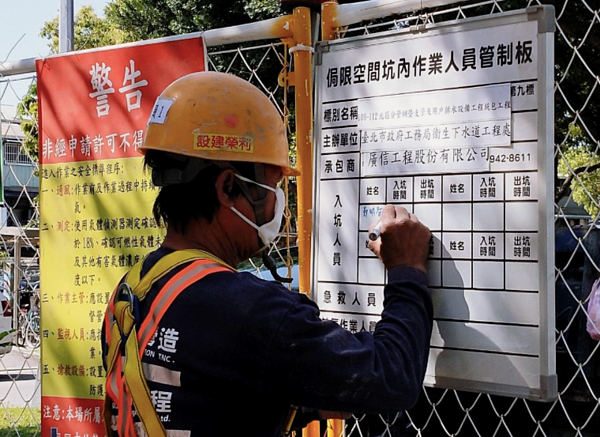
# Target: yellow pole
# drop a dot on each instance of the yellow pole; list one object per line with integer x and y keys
{"x": 328, "y": 20}
{"x": 335, "y": 427}
{"x": 303, "y": 89}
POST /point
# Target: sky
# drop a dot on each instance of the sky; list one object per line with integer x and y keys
{"x": 20, "y": 24}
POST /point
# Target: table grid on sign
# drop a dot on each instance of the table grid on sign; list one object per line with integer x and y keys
{"x": 479, "y": 233}
{"x": 477, "y": 240}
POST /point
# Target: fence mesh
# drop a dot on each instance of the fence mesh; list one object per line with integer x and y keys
{"x": 576, "y": 412}
{"x": 20, "y": 393}
{"x": 262, "y": 65}
{"x": 19, "y": 268}
{"x": 438, "y": 412}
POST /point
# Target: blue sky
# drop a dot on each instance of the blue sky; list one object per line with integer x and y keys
{"x": 20, "y": 24}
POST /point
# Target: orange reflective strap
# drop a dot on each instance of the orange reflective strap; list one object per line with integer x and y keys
{"x": 139, "y": 391}
{"x": 126, "y": 384}
{"x": 113, "y": 370}
{"x": 125, "y": 423}
{"x": 112, "y": 361}
{"x": 191, "y": 274}
{"x": 142, "y": 285}
{"x": 125, "y": 323}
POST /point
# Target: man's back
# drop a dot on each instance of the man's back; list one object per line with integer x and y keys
{"x": 233, "y": 352}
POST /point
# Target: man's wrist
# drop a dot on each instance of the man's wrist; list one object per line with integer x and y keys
{"x": 405, "y": 272}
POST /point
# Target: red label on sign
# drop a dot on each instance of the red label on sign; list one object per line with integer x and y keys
{"x": 63, "y": 416}
{"x": 95, "y": 105}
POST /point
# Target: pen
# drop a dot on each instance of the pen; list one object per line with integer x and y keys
{"x": 374, "y": 234}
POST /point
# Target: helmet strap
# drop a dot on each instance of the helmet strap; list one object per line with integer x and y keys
{"x": 179, "y": 174}
{"x": 258, "y": 205}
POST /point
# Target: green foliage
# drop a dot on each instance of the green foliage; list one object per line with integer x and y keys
{"x": 5, "y": 334}
{"x": 580, "y": 167}
{"x": 576, "y": 70}
{"x": 34, "y": 221}
{"x": 90, "y": 30}
{"x": 262, "y": 9}
{"x": 27, "y": 112}
{"x": 145, "y": 19}
{"x": 20, "y": 422}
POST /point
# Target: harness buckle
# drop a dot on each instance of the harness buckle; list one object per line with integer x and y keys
{"x": 125, "y": 293}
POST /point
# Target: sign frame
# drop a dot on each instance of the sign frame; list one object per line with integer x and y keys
{"x": 543, "y": 16}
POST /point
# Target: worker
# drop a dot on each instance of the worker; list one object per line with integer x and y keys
{"x": 193, "y": 347}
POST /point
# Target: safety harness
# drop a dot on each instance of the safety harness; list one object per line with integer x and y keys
{"x": 127, "y": 335}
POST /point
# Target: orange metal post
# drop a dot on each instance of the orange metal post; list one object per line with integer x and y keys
{"x": 328, "y": 20}
{"x": 335, "y": 428}
{"x": 303, "y": 88}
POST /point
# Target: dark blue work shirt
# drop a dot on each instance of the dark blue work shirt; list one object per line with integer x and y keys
{"x": 233, "y": 352}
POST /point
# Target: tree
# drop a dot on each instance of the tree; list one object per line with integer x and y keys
{"x": 27, "y": 111}
{"x": 579, "y": 168}
{"x": 146, "y": 19}
{"x": 91, "y": 31}
{"x": 577, "y": 102}
{"x": 576, "y": 97}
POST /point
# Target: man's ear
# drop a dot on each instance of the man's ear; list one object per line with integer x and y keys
{"x": 224, "y": 187}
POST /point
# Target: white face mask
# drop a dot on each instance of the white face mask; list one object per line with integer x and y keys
{"x": 269, "y": 231}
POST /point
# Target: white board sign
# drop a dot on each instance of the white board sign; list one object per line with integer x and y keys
{"x": 454, "y": 123}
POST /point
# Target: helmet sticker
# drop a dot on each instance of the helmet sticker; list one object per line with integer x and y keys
{"x": 231, "y": 120}
{"x": 223, "y": 143}
{"x": 160, "y": 110}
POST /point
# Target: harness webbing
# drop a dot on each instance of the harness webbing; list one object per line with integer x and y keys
{"x": 127, "y": 336}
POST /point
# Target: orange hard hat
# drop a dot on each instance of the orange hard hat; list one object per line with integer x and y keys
{"x": 218, "y": 117}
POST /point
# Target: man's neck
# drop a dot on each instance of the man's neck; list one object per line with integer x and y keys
{"x": 206, "y": 238}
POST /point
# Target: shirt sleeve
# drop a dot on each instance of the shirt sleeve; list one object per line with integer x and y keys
{"x": 318, "y": 364}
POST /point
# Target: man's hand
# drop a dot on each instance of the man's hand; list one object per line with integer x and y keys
{"x": 404, "y": 240}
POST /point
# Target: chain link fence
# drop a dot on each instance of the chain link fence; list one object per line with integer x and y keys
{"x": 576, "y": 412}
{"x": 260, "y": 64}
{"x": 263, "y": 65}
{"x": 20, "y": 389}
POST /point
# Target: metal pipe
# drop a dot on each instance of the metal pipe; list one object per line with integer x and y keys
{"x": 22, "y": 66}
{"x": 275, "y": 28}
{"x": 66, "y": 33}
{"x": 353, "y": 13}
{"x": 303, "y": 89}
{"x": 329, "y": 13}
{"x": 17, "y": 274}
